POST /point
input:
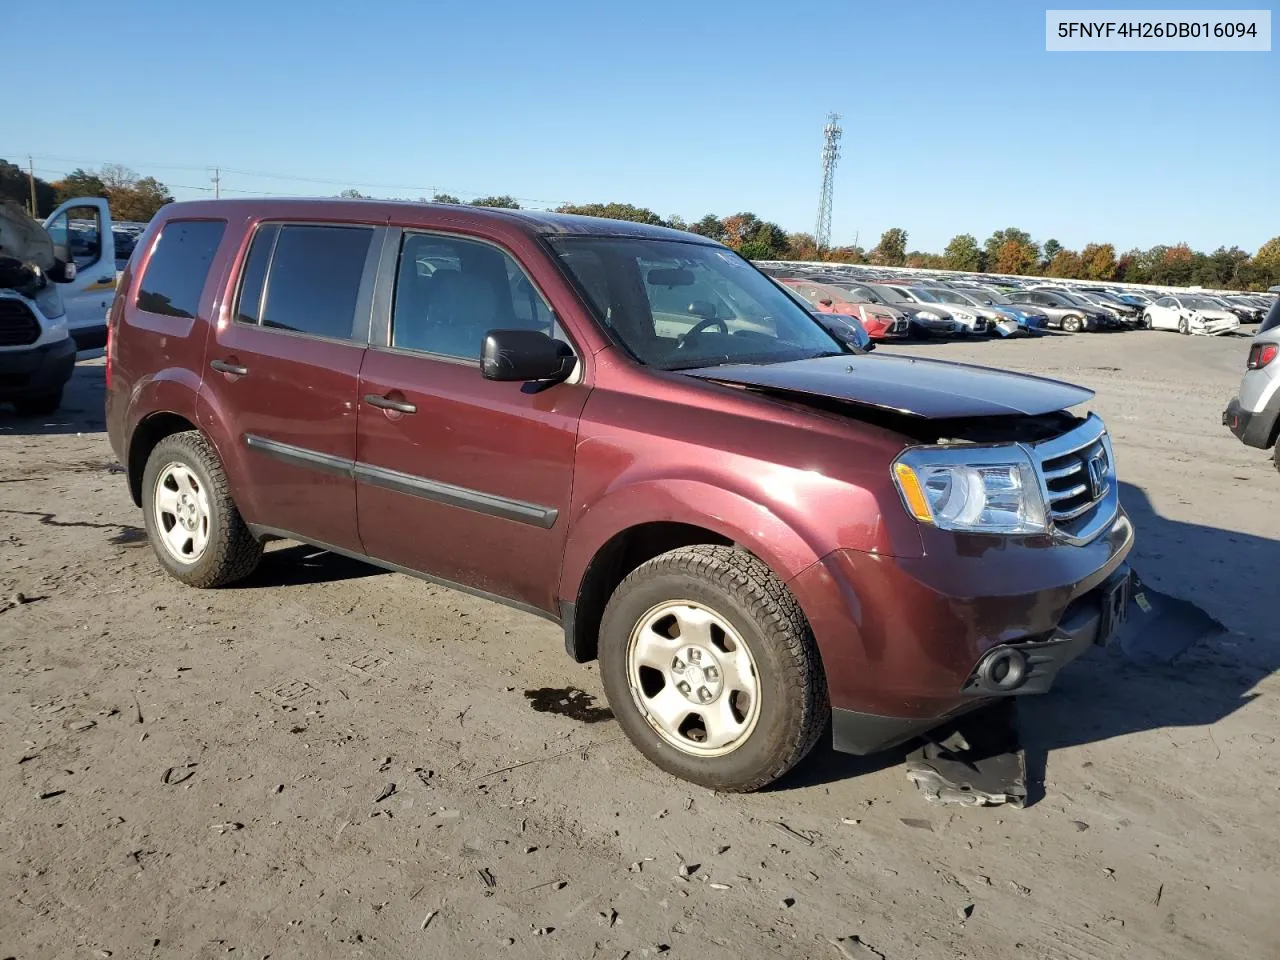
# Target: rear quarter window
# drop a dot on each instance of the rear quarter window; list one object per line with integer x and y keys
{"x": 175, "y": 274}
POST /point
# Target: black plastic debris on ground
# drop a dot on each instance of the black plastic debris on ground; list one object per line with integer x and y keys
{"x": 977, "y": 760}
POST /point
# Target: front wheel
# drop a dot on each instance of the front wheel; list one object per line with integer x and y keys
{"x": 1184, "y": 327}
{"x": 1146, "y": 321}
{"x": 1072, "y": 324}
{"x": 711, "y": 668}
{"x": 193, "y": 524}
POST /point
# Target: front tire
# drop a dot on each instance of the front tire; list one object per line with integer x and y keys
{"x": 1072, "y": 324}
{"x": 195, "y": 529}
{"x": 711, "y": 668}
{"x": 1147, "y": 322}
{"x": 1184, "y": 327}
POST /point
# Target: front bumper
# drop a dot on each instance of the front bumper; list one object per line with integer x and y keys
{"x": 34, "y": 371}
{"x": 1253, "y": 429}
{"x": 902, "y": 639}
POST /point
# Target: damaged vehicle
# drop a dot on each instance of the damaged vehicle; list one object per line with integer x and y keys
{"x": 1188, "y": 314}
{"x": 755, "y": 529}
{"x": 37, "y": 353}
{"x": 1253, "y": 415}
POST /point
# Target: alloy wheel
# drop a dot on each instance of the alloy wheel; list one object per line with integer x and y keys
{"x": 693, "y": 678}
{"x": 181, "y": 512}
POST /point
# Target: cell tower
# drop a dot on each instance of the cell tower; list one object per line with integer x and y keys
{"x": 830, "y": 154}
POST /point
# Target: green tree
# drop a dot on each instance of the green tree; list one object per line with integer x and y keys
{"x": 79, "y": 183}
{"x": 709, "y": 226}
{"x": 1220, "y": 268}
{"x": 754, "y": 238}
{"x": 1099, "y": 261}
{"x": 444, "y": 198}
{"x": 502, "y": 200}
{"x": 1174, "y": 266}
{"x": 963, "y": 253}
{"x": 353, "y": 195}
{"x": 15, "y": 186}
{"x": 1267, "y": 257}
{"x": 676, "y": 222}
{"x": 891, "y": 251}
{"x": 613, "y": 211}
{"x": 803, "y": 246}
{"x": 1049, "y": 251}
{"x": 1011, "y": 247}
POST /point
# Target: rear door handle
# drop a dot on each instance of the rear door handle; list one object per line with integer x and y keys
{"x": 105, "y": 279}
{"x": 223, "y": 367}
{"x": 383, "y": 403}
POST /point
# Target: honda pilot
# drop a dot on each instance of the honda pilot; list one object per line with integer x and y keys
{"x": 759, "y": 532}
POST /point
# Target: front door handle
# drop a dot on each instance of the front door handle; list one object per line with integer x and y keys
{"x": 233, "y": 368}
{"x": 384, "y": 403}
{"x": 106, "y": 279}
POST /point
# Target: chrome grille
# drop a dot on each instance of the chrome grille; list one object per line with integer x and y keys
{"x": 18, "y": 325}
{"x": 1078, "y": 480}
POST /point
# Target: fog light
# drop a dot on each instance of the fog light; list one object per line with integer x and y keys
{"x": 1003, "y": 670}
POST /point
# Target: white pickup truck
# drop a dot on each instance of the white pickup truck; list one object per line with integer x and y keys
{"x": 57, "y": 281}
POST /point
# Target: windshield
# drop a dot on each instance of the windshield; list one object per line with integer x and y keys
{"x": 928, "y": 296}
{"x": 865, "y": 294}
{"x": 994, "y": 297}
{"x": 678, "y": 305}
{"x": 1199, "y": 303}
{"x": 952, "y": 296}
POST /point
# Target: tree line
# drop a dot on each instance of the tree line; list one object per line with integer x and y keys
{"x": 132, "y": 198}
{"x": 1011, "y": 250}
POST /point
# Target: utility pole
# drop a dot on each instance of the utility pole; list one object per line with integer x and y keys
{"x": 217, "y": 183}
{"x": 31, "y": 180}
{"x": 831, "y": 134}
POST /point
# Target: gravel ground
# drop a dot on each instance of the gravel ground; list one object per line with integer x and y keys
{"x": 331, "y": 761}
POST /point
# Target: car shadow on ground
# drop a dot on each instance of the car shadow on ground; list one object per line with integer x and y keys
{"x": 288, "y": 564}
{"x": 82, "y": 409}
{"x": 1112, "y": 692}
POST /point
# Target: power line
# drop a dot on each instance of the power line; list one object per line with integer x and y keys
{"x": 219, "y": 171}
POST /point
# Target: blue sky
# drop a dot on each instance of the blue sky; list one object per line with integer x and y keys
{"x": 955, "y": 117}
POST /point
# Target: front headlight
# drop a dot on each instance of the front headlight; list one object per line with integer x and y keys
{"x": 927, "y": 315}
{"x": 971, "y": 489}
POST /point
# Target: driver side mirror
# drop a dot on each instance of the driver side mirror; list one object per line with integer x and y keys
{"x": 826, "y": 302}
{"x": 63, "y": 271}
{"x": 524, "y": 356}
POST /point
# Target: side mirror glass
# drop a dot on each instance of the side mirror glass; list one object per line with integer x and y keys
{"x": 524, "y": 356}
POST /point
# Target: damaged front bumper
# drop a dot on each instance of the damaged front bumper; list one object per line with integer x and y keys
{"x": 1005, "y": 670}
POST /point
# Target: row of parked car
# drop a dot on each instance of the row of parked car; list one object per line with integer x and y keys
{"x": 895, "y": 307}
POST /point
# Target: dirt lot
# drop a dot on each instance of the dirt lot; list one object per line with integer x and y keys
{"x": 198, "y": 774}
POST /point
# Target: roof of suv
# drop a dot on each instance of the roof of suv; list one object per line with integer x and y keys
{"x": 429, "y": 214}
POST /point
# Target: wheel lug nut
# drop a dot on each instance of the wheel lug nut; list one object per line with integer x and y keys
{"x": 683, "y": 687}
{"x": 678, "y": 665}
{"x": 695, "y": 654}
{"x": 711, "y": 673}
{"x": 704, "y": 694}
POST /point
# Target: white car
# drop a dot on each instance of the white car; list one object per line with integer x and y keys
{"x": 1189, "y": 314}
{"x": 966, "y": 317}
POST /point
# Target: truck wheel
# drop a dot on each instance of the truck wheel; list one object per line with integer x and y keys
{"x": 711, "y": 668}
{"x": 39, "y": 405}
{"x": 193, "y": 524}
{"x": 1072, "y": 324}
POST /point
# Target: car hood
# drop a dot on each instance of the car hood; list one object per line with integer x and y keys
{"x": 1216, "y": 316}
{"x": 932, "y": 389}
{"x": 23, "y": 239}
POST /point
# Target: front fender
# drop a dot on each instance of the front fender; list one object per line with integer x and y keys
{"x": 693, "y": 502}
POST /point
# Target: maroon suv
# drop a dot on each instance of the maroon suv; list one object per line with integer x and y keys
{"x": 632, "y": 432}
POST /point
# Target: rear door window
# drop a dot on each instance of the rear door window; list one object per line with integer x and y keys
{"x": 179, "y": 267}
{"x": 305, "y": 278}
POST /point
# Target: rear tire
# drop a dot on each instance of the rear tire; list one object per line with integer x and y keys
{"x": 39, "y": 405}
{"x": 1146, "y": 321}
{"x": 712, "y": 601}
{"x": 1072, "y": 324}
{"x": 195, "y": 529}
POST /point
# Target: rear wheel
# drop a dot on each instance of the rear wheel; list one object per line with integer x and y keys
{"x": 39, "y": 405}
{"x": 193, "y": 524}
{"x": 1072, "y": 324}
{"x": 1146, "y": 321}
{"x": 711, "y": 668}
